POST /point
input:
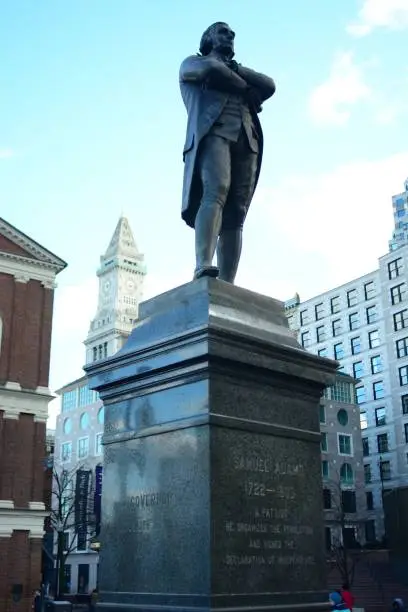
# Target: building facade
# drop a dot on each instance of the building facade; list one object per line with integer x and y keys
{"x": 364, "y": 325}
{"x": 400, "y": 211}
{"x": 79, "y": 428}
{"x": 346, "y": 505}
{"x": 27, "y": 282}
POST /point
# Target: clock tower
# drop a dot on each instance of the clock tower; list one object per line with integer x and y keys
{"x": 121, "y": 276}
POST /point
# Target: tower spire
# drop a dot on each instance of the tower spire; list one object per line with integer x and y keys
{"x": 122, "y": 241}
{"x": 121, "y": 276}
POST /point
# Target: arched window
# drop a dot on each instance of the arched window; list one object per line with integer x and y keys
{"x": 346, "y": 474}
{"x": 67, "y": 426}
{"x": 101, "y": 416}
{"x": 84, "y": 420}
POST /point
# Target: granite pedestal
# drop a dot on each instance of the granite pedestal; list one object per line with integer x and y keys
{"x": 212, "y": 493}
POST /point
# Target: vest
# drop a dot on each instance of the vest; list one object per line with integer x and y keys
{"x": 235, "y": 116}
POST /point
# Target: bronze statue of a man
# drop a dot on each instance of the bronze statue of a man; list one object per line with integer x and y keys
{"x": 223, "y": 149}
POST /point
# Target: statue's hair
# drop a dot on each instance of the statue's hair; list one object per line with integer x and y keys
{"x": 206, "y": 43}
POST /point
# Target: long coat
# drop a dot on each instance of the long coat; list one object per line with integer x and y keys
{"x": 204, "y": 106}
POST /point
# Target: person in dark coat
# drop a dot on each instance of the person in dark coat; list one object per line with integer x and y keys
{"x": 37, "y": 603}
{"x": 223, "y": 148}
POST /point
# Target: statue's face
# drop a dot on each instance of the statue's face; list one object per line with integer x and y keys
{"x": 223, "y": 39}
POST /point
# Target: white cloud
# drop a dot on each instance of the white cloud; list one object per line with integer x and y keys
{"x": 387, "y": 115}
{"x": 75, "y": 306}
{"x": 330, "y": 103}
{"x": 6, "y": 153}
{"x": 392, "y": 14}
{"x": 338, "y": 222}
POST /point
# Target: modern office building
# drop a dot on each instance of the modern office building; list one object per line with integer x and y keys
{"x": 78, "y": 438}
{"x": 400, "y": 210}
{"x": 364, "y": 325}
{"x": 27, "y": 281}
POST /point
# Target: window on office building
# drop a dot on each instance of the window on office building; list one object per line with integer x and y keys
{"x": 83, "y": 448}
{"x": 378, "y": 389}
{"x": 373, "y": 338}
{"x": 382, "y": 443}
{"x": 403, "y": 375}
{"x": 322, "y": 413}
{"x": 345, "y": 444}
{"x": 66, "y": 451}
{"x": 336, "y": 327}
{"x": 86, "y": 396}
{"x": 360, "y": 395}
{"x": 369, "y": 500}
{"x": 348, "y": 502}
{"x": 355, "y": 345}
{"x": 404, "y": 404}
{"x": 363, "y": 420}
{"x": 323, "y": 352}
{"x": 395, "y": 268}
{"x": 69, "y": 400}
{"x": 325, "y": 469}
{"x": 397, "y": 293}
{"x": 380, "y": 416}
{"x": 366, "y": 447}
{"x": 401, "y": 346}
{"x": 385, "y": 470}
{"x": 376, "y": 364}
{"x": 323, "y": 443}
{"x": 406, "y": 432}
{"x": 369, "y": 290}
{"x": 101, "y": 415}
{"x": 327, "y": 499}
{"x": 371, "y": 314}
{"x": 354, "y": 321}
{"x": 351, "y": 297}
{"x": 342, "y": 417}
{"x": 304, "y": 319}
{"x": 98, "y": 444}
{"x": 400, "y": 319}
{"x": 305, "y": 339}
{"x": 367, "y": 473}
{"x": 346, "y": 474}
{"x": 335, "y": 304}
{"x": 358, "y": 369}
{"x": 341, "y": 392}
{"x": 319, "y": 311}
{"x": 320, "y": 333}
{"x": 338, "y": 351}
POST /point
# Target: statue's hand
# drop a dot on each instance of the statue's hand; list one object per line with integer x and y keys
{"x": 233, "y": 65}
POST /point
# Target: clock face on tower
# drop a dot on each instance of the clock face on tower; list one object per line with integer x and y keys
{"x": 130, "y": 285}
{"x": 106, "y": 286}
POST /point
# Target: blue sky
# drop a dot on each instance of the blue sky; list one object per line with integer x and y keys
{"x": 92, "y": 125}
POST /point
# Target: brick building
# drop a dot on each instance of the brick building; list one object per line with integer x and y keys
{"x": 27, "y": 281}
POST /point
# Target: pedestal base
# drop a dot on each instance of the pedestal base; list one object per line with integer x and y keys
{"x": 212, "y": 489}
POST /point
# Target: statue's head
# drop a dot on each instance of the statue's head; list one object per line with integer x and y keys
{"x": 218, "y": 37}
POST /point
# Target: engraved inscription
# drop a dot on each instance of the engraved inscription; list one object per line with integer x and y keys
{"x": 270, "y": 530}
{"x": 142, "y": 499}
{"x": 142, "y": 502}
